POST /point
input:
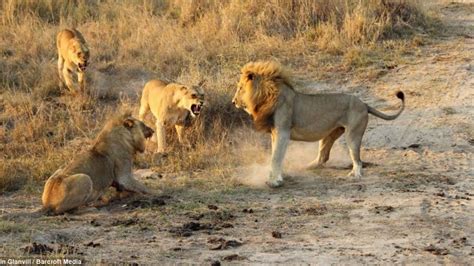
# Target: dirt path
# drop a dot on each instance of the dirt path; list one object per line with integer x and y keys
{"x": 414, "y": 204}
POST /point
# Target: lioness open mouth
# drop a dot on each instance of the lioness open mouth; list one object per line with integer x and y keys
{"x": 148, "y": 133}
{"x": 196, "y": 109}
{"x": 82, "y": 67}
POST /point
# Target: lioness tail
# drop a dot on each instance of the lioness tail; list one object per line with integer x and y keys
{"x": 379, "y": 114}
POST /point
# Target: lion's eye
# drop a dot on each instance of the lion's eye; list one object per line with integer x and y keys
{"x": 193, "y": 96}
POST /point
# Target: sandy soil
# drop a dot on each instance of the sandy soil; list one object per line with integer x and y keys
{"x": 414, "y": 204}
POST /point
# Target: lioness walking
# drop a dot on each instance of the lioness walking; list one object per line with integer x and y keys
{"x": 73, "y": 57}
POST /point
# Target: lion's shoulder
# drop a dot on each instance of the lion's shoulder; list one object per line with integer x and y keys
{"x": 156, "y": 83}
{"x": 68, "y": 39}
{"x": 78, "y": 35}
{"x": 175, "y": 87}
{"x": 68, "y": 34}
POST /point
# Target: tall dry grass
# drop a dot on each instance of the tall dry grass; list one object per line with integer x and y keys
{"x": 180, "y": 40}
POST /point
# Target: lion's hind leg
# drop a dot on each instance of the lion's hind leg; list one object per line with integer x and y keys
{"x": 325, "y": 146}
{"x": 354, "y": 140}
{"x": 74, "y": 191}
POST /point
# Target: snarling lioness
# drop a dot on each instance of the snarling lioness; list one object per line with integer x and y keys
{"x": 171, "y": 105}
{"x": 73, "y": 57}
{"x": 266, "y": 92}
{"x": 107, "y": 163}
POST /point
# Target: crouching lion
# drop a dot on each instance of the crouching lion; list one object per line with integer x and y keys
{"x": 107, "y": 163}
{"x": 266, "y": 92}
{"x": 171, "y": 105}
{"x": 73, "y": 56}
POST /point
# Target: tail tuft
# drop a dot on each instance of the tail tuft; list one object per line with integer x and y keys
{"x": 379, "y": 114}
{"x": 400, "y": 95}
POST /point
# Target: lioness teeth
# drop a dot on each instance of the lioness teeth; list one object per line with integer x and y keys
{"x": 196, "y": 109}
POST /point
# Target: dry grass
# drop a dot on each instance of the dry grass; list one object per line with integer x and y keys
{"x": 132, "y": 41}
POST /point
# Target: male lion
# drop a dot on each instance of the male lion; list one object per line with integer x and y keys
{"x": 171, "y": 104}
{"x": 266, "y": 92}
{"x": 73, "y": 55}
{"x": 107, "y": 163}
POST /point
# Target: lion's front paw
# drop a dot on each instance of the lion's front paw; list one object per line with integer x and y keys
{"x": 275, "y": 182}
{"x": 355, "y": 174}
{"x": 313, "y": 166}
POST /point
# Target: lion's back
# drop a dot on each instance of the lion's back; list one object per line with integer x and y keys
{"x": 97, "y": 166}
{"x": 63, "y": 38}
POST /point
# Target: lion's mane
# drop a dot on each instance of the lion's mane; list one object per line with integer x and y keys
{"x": 268, "y": 78}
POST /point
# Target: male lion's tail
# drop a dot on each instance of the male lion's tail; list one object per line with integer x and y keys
{"x": 379, "y": 114}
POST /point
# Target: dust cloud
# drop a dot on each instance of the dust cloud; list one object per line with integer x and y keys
{"x": 297, "y": 158}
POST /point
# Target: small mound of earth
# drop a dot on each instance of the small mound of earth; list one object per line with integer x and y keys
{"x": 219, "y": 243}
{"x": 42, "y": 249}
{"x": 436, "y": 250}
{"x": 233, "y": 257}
{"x": 383, "y": 209}
{"x": 147, "y": 202}
{"x": 126, "y": 222}
{"x": 187, "y": 229}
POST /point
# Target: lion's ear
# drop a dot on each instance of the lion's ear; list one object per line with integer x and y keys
{"x": 128, "y": 123}
{"x": 255, "y": 79}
